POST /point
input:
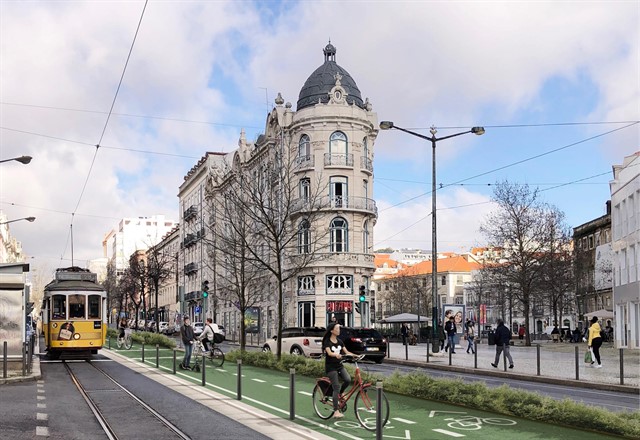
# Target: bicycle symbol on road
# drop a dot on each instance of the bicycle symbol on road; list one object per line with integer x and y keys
{"x": 471, "y": 423}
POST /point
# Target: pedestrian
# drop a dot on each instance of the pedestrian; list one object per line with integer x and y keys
{"x": 207, "y": 335}
{"x": 405, "y": 333}
{"x": 442, "y": 336}
{"x": 470, "y": 337}
{"x": 450, "y": 329}
{"x": 521, "y": 332}
{"x": 334, "y": 349}
{"x": 503, "y": 339}
{"x": 595, "y": 340}
{"x": 187, "y": 335}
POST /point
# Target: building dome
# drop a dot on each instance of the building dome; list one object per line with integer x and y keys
{"x": 317, "y": 87}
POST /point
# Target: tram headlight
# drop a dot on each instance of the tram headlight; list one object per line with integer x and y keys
{"x": 76, "y": 336}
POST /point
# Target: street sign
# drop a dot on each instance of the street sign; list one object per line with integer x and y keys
{"x": 198, "y": 309}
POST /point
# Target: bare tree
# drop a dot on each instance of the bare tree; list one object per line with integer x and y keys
{"x": 138, "y": 276}
{"x": 527, "y": 229}
{"x": 110, "y": 285}
{"x": 159, "y": 268}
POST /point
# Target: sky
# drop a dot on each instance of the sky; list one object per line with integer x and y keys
{"x": 555, "y": 84}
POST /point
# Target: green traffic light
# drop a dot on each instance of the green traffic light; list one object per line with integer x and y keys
{"x": 362, "y": 298}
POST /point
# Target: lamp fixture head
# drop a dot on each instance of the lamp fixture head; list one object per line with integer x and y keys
{"x": 386, "y": 125}
{"x": 478, "y": 131}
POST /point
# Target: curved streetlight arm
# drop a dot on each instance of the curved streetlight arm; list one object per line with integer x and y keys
{"x": 22, "y": 159}
{"x": 29, "y": 219}
{"x": 388, "y": 125}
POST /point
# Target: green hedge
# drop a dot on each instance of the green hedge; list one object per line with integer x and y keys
{"x": 501, "y": 400}
{"x": 146, "y": 338}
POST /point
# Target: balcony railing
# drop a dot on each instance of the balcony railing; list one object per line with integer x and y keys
{"x": 351, "y": 203}
{"x": 331, "y": 159}
{"x": 304, "y": 162}
{"x": 190, "y": 268}
{"x": 190, "y": 213}
{"x": 189, "y": 240}
{"x": 366, "y": 164}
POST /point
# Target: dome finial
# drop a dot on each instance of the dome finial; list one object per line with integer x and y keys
{"x": 329, "y": 52}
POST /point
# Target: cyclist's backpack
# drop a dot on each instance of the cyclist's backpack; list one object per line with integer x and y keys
{"x": 218, "y": 338}
{"x": 326, "y": 387}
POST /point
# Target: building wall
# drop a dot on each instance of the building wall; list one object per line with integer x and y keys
{"x": 625, "y": 200}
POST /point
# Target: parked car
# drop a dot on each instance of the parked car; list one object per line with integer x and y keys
{"x": 198, "y": 327}
{"x": 367, "y": 341}
{"x": 163, "y": 327}
{"x": 300, "y": 341}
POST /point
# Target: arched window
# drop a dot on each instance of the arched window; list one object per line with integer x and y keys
{"x": 365, "y": 236}
{"x": 304, "y": 147}
{"x": 365, "y": 148}
{"x": 338, "y": 143}
{"x": 304, "y": 237}
{"x": 339, "y": 235}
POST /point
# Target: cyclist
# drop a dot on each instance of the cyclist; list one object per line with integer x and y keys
{"x": 207, "y": 334}
{"x": 334, "y": 348}
{"x": 186, "y": 332}
{"x": 122, "y": 327}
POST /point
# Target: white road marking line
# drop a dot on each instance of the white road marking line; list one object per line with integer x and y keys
{"x": 40, "y": 390}
{"x": 259, "y": 380}
{"x": 42, "y": 416}
{"x": 42, "y": 431}
{"x": 236, "y": 374}
{"x": 42, "y": 398}
{"x": 42, "y": 405}
{"x": 39, "y": 385}
{"x": 221, "y": 369}
{"x": 408, "y": 422}
{"x": 304, "y": 393}
{"x": 40, "y": 381}
{"x": 281, "y": 386}
{"x": 451, "y": 433}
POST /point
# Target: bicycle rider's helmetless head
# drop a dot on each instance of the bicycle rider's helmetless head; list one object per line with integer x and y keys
{"x": 334, "y": 328}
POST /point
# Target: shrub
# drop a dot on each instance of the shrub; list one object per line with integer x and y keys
{"x": 146, "y": 338}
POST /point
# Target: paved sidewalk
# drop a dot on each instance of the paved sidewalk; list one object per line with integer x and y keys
{"x": 557, "y": 363}
{"x": 16, "y": 375}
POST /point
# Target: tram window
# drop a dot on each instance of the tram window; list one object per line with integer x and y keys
{"x": 59, "y": 310}
{"x": 76, "y": 306}
{"x": 94, "y": 307}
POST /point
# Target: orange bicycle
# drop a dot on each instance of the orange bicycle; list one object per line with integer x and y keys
{"x": 366, "y": 403}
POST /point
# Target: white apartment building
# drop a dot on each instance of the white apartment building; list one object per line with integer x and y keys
{"x": 625, "y": 219}
{"x": 10, "y": 248}
{"x": 168, "y": 250}
{"x": 134, "y": 234}
{"x": 409, "y": 257}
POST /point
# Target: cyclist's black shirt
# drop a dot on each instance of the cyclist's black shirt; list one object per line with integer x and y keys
{"x": 331, "y": 363}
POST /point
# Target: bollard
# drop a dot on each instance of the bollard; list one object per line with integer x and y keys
{"x": 379, "y": 406}
{"x": 428, "y": 352}
{"x": 24, "y": 358}
{"x": 157, "y": 356}
{"x": 388, "y": 349}
{"x": 204, "y": 368}
{"x": 239, "y": 395}
{"x": 292, "y": 394}
{"x": 450, "y": 354}
{"x": 577, "y": 364}
{"x": 475, "y": 354}
{"x": 143, "y": 352}
{"x": 174, "y": 361}
{"x": 621, "y": 367}
{"x": 30, "y": 355}
{"x": 538, "y": 358}
{"x": 406, "y": 352}
{"x": 4, "y": 359}
{"x": 504, "y": 357}
{"x": 109, "y": 341}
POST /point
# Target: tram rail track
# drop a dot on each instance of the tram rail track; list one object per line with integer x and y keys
{"x": 112, "y": 420}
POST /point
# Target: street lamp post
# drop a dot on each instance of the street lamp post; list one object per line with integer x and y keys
{"x": 22, "y": 159}
{"x": 29, "y": 219}
{"x": 388, "y": 125}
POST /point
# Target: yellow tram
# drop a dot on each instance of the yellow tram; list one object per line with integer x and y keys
{"x": 74, "y": 313}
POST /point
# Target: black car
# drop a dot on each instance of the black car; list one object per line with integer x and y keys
{"x": 367, "y": 341}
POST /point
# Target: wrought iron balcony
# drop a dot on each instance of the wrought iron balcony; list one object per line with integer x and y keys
{"x": 344, "y": 160}
{"x": 366, "y": 164}
{"x": 190, "y": 268}
{"x": 347, "y": 203}
{"x": 190, "y": 213}
{"x": 304, "y": 163}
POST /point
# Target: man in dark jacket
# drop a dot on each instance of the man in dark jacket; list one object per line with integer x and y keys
{"x": 450, "y": 329}
{"x": 503, "y": 339}
{"x": 405, "y": 333}
{"x": 187, "y": 335}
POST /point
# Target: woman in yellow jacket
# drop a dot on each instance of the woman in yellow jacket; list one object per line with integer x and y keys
{"x": 595, "y": 340}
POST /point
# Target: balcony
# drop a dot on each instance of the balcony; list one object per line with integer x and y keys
{"x": 303, "y": 163}
{"x": 190, "y": 213}
{"x": 338, "y": 160}
{"x": 342, "y": 203}
{"x": 190, "y": 268}
{"x": 189, "y": 240}
{"x": 347, "y": 259}
{"x": 366, "y": 165}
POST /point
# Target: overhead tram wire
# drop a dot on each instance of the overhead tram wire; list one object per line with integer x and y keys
{"x": 104, "y": 129}
{"x": 60, "y": 212}
{"x": 555, "y": 150}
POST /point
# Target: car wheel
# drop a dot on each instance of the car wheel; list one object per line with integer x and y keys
{"x": 266, "y": 349}
{"x": 379, "y": 360}
{"x": 297, "y": 351}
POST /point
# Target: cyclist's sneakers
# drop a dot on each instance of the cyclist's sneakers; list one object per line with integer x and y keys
{"x": 338, "y": 415}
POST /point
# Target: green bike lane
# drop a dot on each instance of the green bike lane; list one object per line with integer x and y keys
{"x": 410, "y": 418}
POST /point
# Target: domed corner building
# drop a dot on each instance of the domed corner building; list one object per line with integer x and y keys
{"x": 325, "y": 148}
{"x": 331, "y": 135}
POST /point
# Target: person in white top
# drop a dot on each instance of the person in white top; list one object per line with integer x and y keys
{"x": 206, "y": 336}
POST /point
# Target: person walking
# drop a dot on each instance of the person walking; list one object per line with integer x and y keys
{"x": 595, "y": 340}
{"x": 333, "y": 349}
{"x": 503, "y": 339}
{"x": 470, "y": 337}
{"x": 442, "y": 336}
{"x": 405, "y": 333}
{"x": 450, "y": 329}
{"x": 521, "y": 332}
{"x": 187, "y": 335}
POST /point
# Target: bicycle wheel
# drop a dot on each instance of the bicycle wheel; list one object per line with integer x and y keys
{"x": 119, "y": 342}
{"x": 216, "y": 357}
{"x": 128, "y": 342}
{"x": 323, "y": 405}
{"x": 366, "y": 406}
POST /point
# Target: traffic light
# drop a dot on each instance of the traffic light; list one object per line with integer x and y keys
{"x": 205, "y": 288}
{"x": 363, "y": 293}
